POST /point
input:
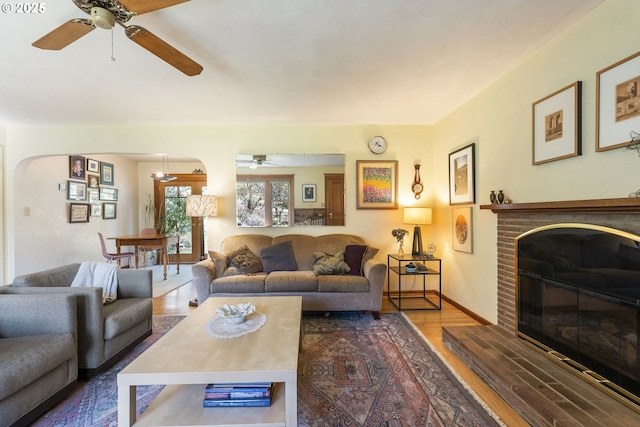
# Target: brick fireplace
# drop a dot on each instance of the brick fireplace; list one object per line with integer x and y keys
{"x": 515, "y": 219}
{"x": 543, "y": 391}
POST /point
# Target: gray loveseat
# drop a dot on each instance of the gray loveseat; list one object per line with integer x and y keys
{"x": 38, "y": 354}
{"x": 359, "y": 289}
{"x": 105, "y": 332}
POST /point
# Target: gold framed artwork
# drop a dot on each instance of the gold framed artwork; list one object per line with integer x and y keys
{"x": 462, "y": 230}
{"x": 462, "y": 183}
{"x": 556, "y": 125}
{"x": 377, "y": 184}
{"x": 617, "y": 103}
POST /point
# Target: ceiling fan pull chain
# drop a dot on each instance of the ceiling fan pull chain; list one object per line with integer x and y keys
{"x": 112, "y": 58}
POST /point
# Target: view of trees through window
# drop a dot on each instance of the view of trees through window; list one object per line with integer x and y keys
{"x": 264, "y": 201}
{"x": 175, "y": 220}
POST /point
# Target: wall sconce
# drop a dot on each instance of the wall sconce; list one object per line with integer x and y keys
{"x": 417, "y": 217}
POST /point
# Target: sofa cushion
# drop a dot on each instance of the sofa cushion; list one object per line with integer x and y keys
{"x": 239, "y": 284}
{"x": 353, "y": 255}
{"x": 291, "y": 281}
{"x": 25, "y": 359}
{"x": 329, "y": 264}
{"x": 123, "y": 314}
{"x": 245, "y": 260}
{"x": 343, "y": 283}
{"x": 278, "y": 257}
{"x": 220, "y": 262}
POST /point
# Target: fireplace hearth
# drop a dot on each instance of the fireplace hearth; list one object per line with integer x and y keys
{"x": 578, "y": 297}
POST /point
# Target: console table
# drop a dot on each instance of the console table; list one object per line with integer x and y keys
{"x": 396, "y": 264}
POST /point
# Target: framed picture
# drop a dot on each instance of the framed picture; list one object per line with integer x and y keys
{"x": 106, "y": 173}
{"x": 77, "y": 191}
{"x": 617, "y": 103}
{"x": 76, "y": 167}
{"x": 308, "y": 192}
{"x": 109, "y": 194}
{"x": 462, "y": 230}
{"x": 462, "y": 181}
{"x": 93, "y": 166}
{"x": 96, "y": 209}
{"x": 108, "y": 210}
{"x": 377, "y": 184}
{"x": 556, "y": 125}
{"x": 93, "y": 180}
{"x": 93, "y": 196}
{"x": 78, "y": 212}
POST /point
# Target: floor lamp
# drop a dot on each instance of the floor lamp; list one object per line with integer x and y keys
{"x": 201, "y": 206}
{"x": 417, "y": 217}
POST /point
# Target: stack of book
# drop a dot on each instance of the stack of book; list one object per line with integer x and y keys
{"x": 238, "y": 394}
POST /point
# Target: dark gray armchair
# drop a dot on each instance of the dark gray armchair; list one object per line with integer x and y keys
{"x": 105, "y": 332}
{"x": 38, "y": 354}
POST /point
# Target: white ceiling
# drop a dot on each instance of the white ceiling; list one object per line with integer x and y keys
{"x": 276, "y": 61}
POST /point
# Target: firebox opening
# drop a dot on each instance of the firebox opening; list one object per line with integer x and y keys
{"x": 578, "y": 298}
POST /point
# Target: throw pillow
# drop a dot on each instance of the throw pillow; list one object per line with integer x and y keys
{"x": 329, "y": 264}
{"x": 368, "y": 254}
{"x": 278, "y": 257}
{"x": 245, "y": 260}
{"x": 353, "y": 255}
{"x": 219, "y": 262}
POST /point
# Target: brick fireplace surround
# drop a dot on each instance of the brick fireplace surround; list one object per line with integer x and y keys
{"x": 541, "y": 390}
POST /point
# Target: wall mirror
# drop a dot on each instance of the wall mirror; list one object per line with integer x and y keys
{"x": 284, "y": 190}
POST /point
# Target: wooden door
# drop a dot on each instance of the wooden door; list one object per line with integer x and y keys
{"x": 173, "y": 195}
{"x": 334, "y": 198}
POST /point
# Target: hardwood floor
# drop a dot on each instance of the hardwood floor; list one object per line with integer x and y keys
{"x": 429, "y": 322}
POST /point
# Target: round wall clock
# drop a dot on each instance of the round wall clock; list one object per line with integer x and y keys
{"x": 377, "y": 144}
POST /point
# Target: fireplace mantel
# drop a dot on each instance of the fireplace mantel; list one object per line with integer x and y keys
{"x": 627, "y": 204}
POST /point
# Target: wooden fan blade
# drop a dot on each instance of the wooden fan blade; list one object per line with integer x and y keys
{"x": 64, "y": 35}
{"x": 143, "y": 6}
{"x": 163, "y": 50}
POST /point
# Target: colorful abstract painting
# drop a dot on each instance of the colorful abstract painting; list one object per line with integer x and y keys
{"x": 377, "y": 184}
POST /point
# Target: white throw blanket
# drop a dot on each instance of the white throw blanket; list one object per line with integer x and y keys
{"x": 101, "y": 275}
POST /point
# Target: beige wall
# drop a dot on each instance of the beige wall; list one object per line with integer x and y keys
{"x": 498, "y": 120}
{"x": 217, "y": 148}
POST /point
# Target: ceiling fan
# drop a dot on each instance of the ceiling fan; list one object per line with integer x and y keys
{"x": 105, "y": 14}
{"x": 254, "y": 161}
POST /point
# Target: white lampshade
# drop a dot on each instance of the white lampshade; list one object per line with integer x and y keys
{"x": 417, "y": 216}
{"x": 202, "y": 205}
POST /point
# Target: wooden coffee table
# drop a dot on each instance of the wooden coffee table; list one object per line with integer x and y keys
{"x": 188, "y": 357}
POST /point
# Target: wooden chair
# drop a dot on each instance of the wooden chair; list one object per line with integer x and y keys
{"x": 117, "y": 257}
{"x": 148, "y": 248}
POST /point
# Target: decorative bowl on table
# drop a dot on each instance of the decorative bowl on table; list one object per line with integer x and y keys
{"x": 236, "y": 313}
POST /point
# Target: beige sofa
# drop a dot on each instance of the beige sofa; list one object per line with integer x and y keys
{"x": 320, "y": 290}
{"x": 38, "y": 354}
{"x": 105, "y": 332}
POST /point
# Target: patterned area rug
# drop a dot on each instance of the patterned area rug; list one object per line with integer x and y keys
{"x": 356, "y": 371}
{"x": 353, "y": 371}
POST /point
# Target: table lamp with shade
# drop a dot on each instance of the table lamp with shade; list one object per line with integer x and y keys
{"x": 202, "y": 206}
{"x": 417, "y": 217}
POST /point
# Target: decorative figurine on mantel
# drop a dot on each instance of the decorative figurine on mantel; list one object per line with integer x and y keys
{"x": 399, "y": 234}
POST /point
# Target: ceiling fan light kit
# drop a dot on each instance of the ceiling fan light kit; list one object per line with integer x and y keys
{"x": 102, "y": 18}
{"x": 105, "y": 14}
